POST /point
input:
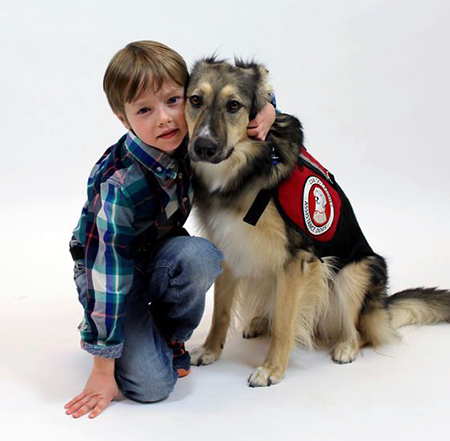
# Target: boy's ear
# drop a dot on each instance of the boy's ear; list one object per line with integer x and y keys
{"x": 123, "y": 120}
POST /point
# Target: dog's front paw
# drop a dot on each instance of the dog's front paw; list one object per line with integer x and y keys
{"x": 203, "y": 356}
{"x": 263, "y": 377}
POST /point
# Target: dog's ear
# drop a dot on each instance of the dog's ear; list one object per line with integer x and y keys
{"x": 205, "y": 62}
{"x": 262, "y": 91}
{"x": 259, "y": 84}
{"x": 212, "y": 59}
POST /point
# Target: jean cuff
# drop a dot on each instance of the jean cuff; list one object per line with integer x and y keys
{"x": 103, "y": 351}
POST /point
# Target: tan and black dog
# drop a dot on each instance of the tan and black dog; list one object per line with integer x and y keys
{"x": 298, "y": 267}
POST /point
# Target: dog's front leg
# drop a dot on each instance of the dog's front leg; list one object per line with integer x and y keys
{"x": 224, "y": 292}
{"x": 283, "y": 327}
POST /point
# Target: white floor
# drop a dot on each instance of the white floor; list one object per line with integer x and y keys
{"x": 368, "y": 79}
{"x": 401, "y": 391}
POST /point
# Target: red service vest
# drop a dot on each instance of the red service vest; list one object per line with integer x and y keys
{"x": 309, "y": 200}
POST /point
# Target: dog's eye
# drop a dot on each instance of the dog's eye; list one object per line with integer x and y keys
{"x": 233, "y": 106}
{"x": 196, "y": 101}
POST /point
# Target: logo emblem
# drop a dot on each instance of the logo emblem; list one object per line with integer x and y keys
{"x": 318, "y": 208}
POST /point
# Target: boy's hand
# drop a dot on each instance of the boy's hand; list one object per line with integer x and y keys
{"x": 259, "y": 127}
{"x": 101, "y": 388}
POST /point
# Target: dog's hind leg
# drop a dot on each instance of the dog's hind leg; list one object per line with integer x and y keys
{"x": 258, "y": 327}
{"x": 257, "y": 304}
{"x": 351, "y": 285}
{"x": 224, "y": 292}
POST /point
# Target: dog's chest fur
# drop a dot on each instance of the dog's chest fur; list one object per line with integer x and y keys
{"x": 249, "y": 250}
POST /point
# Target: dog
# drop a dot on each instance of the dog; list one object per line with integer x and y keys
{"x": 297, "y": 271}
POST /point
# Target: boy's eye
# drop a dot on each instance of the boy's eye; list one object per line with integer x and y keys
{"x": 144, "y": 110}
{"x": 173, "y": 100}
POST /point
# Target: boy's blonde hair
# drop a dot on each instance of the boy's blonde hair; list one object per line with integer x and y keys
{"x": 139, "y": 66}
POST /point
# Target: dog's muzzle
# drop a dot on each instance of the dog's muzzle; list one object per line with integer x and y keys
{"x": 205, "y": 149}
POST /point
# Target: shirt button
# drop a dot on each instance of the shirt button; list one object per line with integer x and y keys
{"x": 180, "y": 175}
{"x": 159, "y": 169}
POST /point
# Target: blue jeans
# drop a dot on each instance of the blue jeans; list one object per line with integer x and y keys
{"x": 166, "y": 303}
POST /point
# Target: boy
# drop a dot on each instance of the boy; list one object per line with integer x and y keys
{"x": 140, "y": 277}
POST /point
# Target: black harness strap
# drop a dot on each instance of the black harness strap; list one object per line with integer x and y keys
{"x": 258, "y": 207}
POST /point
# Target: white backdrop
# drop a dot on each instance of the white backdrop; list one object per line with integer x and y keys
{"x": 369, "y": 79}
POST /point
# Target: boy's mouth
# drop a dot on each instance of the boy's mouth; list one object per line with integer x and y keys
{"x": 168, "y": 134}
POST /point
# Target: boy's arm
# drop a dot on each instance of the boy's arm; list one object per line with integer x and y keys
{"x": 109, "y": 275}
{"x": 109, "y": 272}
{"x": 101, "y": 388}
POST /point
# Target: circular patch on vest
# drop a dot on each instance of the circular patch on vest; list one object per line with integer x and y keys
{"x": 318, "y": 208}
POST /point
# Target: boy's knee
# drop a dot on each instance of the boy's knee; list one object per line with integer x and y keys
{"x": 153, "y": 390}
{"x": 148, "y": 395}
{"x": 200, "y": 257}
{"x": 189, "y": 262}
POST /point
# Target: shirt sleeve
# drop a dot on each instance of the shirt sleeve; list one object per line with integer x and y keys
{"x": 109, "y": 272}
{"x": 273, "y": 99}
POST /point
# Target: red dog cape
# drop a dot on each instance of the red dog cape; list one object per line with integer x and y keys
{"x": 311, "y": 202}
{"x": 308, "y": 199}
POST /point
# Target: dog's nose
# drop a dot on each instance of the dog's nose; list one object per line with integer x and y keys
{"x": 205, "y": 148}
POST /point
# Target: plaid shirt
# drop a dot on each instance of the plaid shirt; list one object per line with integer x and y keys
{"x": 136, "y": 196}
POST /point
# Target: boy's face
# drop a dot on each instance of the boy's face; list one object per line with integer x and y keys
{"x": 157, "y": 118}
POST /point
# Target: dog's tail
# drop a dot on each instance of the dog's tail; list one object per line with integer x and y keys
{"x": 419, "y": 306}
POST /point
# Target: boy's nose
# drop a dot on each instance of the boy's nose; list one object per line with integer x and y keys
{"x": 164, "y": 116}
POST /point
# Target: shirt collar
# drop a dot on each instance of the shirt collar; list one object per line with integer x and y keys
{"x": 160, "y": 163}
